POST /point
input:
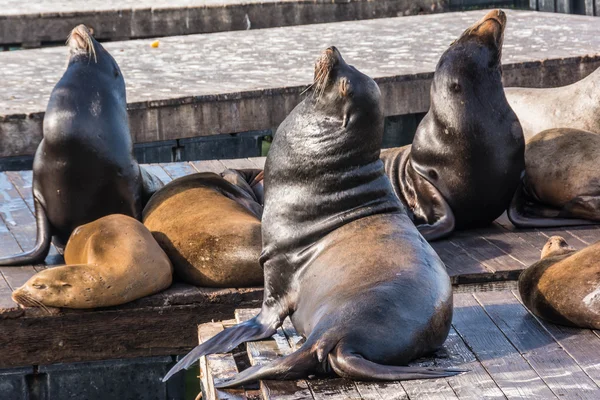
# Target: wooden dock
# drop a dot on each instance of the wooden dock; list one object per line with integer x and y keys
{"x": 164, "y": 324}
{"x": 231, "y": 82}
{"x": 31, "y": 24}
{"x": 509, "y": 353}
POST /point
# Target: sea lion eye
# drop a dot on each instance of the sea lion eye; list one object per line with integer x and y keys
{"x": 455, "y": 87}
{"x": 39, "y": 286}
{"x": 66, "y": 285}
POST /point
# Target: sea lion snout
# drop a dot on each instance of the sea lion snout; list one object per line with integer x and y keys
{"x": 491, "y": 26}
{"x": 555, "y": 246}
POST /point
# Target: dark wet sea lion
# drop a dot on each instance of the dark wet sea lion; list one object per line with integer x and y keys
{"x": 84, "y": 167}
{"x": 561, "y": 185}
{"x": 564, "y": 286}
{"x": 340, "y": 255}
{"x": 209, "y": 226}
{"x": 111, "y": 261}
{"x": 467, "y": 155}
{"x": 575, "y": 106}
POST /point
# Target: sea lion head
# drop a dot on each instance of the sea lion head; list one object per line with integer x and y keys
{"x": 53, "y": 287}
{"x": 343, "y": 92}
{"x": 86, "y": 51}
{"x": 470, "y": 69}
{"x": 556, "y": 246}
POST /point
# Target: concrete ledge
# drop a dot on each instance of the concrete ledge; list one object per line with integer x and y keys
{"x": 32, "y": 23}
{"x": 203, "y": 85}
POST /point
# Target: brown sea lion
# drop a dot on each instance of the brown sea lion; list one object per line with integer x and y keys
{"x": 466, "y": 159}
{"x": 209, "y": 226}
{"x": 564, "y": 286}
{"x": 84, "y": 167}
{"x": 111, "y": 261}
{"x": 340, "y": 255}
{"x": 561, "y": 185}
{"x": 575, "y": 106}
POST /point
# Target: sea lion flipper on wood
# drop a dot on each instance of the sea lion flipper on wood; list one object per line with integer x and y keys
{"x": 225, "y": 341}
{"x": 42, "y": 244}
{"x": 150, "y": 185}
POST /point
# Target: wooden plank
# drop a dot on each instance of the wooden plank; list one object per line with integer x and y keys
{"x": 587, "y": 234}
{"x": 239, "y": 163}
{"x": 511, "y": 372}
{"x": 157, "y": 170}
{"x": 462, "y": 267}
{"x": 430, "y": 389}
{"x": 546, "y": 5}
{"x": 23, "y": 182}
{"x": 510, "y": 243}
{"x": 217, "y": 366}
{"x": 581, "y": 344}
{"x": 264, "y": 351}
{"x": 17, "y": 276}
{"x": 178, "y": 169}
{"x": 259, "y": 162}
{"x": 552, "y": 363}
{"x": 475, "y": 384}
{"x": 215, "y": 166}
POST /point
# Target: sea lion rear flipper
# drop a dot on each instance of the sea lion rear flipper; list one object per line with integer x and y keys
{"x": 42, "y": 244}
{"x": 150, "y": 185}
{"x": 224, "y": 342}
{"x": 353, "y": 366}
{"x": 546, "y": 217}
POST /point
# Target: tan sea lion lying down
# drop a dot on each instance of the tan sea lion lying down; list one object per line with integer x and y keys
{"x": 111, "y": 261}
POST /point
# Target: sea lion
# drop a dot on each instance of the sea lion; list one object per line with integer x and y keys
{"x": 111, "y": 261}
{"x": 575, "y": 106}
{"x": 84, "y": 167}
{"x": 467, "y": 155}
{"x": 340, "y": 255}
{"x": 564, "y": 286}
{"x": 209, "y": 226}
{"x": 561, "y": 186}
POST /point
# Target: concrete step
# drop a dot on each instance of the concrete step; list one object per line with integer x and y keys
{"x": 35, "y": 22}
{"x": 230, "y": 82}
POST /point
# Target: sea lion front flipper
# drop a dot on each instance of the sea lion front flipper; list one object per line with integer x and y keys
{"x": 583, "y": 207}
{"x": 435, "y": 212}
{"x": 150, "y": 185}
{"x": 249, "y": 180}
{"x": 524, "y": 212}
{"x": 225, "y": 341}
{"x": 42, "y": 244}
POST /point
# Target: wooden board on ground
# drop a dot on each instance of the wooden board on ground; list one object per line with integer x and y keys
{"x": 508, "y": 352}
{"x": 232, "y": 82}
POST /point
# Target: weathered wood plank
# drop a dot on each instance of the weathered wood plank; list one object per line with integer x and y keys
{"x": 475, "y": 384}
{"x": 581, "y": 344}
{"x": 488, "y": 254}
{"x": 462, "y": 267}
{"x": 259, "y": 162}
{"x": 23, "y": 182}
{"x": 511, "y": 372}
{"x": 264, "y": 351}
{"x": 17, "y": 276}
{"x": 215, "y": 166}
{"x": 587, "y": 234}
{"x": 552, "y": 363}
{"x": 178, "y": 169}
{"x": 16, "y": 214}
{"x": 239, "y": 163}
{"x": 160, "y": 173}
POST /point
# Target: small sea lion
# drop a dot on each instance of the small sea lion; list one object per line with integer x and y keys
{"x": 111, "y": 261}
{"x": 466, "y": 159}
{"x": 564, "y": 286}
{"x": 575, "y": 106}
{"x": 209, "y": 226}
{"x": 84, "y": 167}
{"x": 340, "y": 255}
{"x": 561, "y": 185}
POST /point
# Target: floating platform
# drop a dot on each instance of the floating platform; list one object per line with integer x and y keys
{"x": 232, "y": 82}
{"x": 31, "y": 24}
{"x": 165, "y": 324}
{"x": 509, "y": 354}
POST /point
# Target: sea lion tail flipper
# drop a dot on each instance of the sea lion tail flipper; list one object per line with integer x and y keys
{"x": 224, "y": 342}
{"x": 42, "y": 244}
{"x": 297, "y": 365}
{"x": 547, "y": 219}
{"x": 353, "y": 366}
{"x": 150, "y": 185}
